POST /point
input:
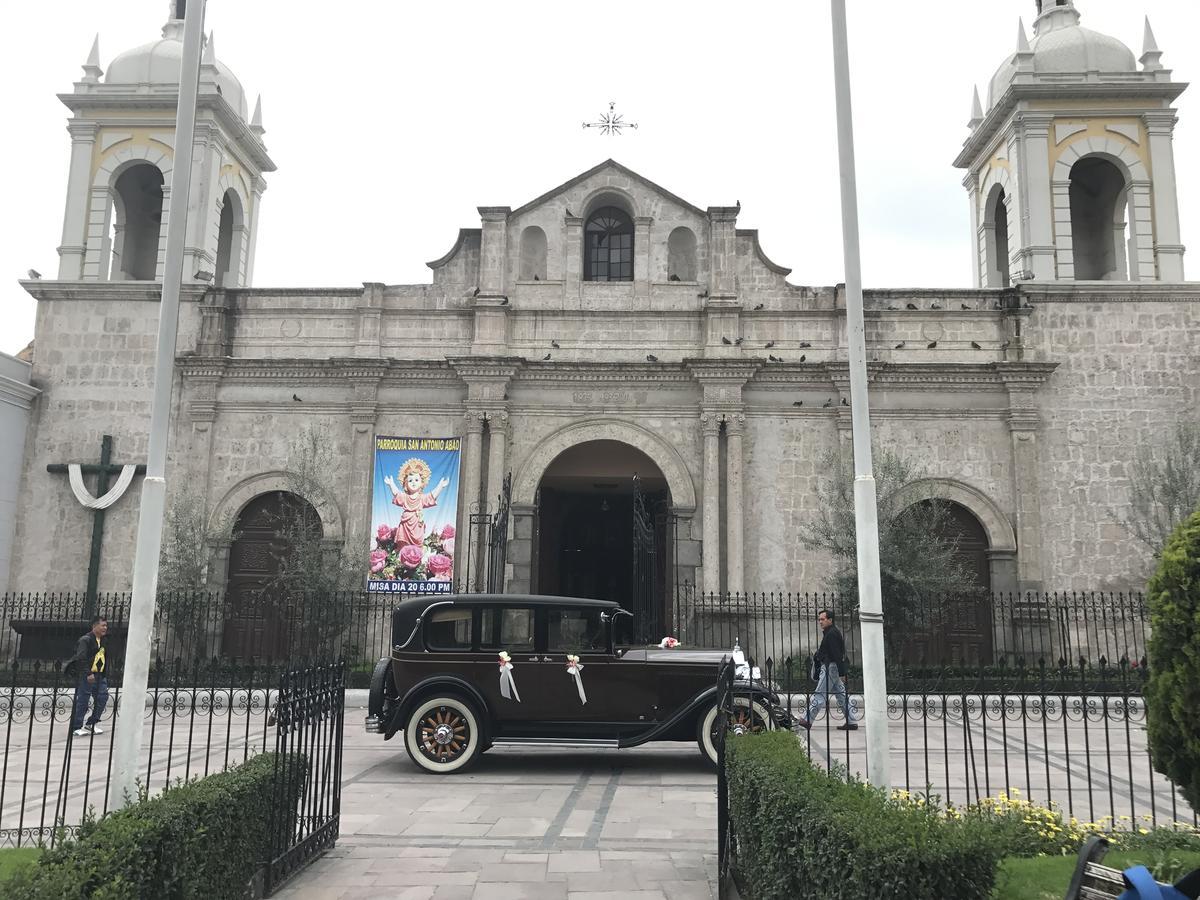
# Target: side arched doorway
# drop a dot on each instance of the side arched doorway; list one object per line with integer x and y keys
{"x": 256, "y": 624}
{"x": 603, "y": 516}
{"x": 956, "y": 629}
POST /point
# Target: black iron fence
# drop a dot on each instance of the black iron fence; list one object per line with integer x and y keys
{"x": 930, "y": 645}
{"x": 927, "y": 641}
{"x": 198, "y": 718}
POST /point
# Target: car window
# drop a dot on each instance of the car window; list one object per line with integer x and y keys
{"x": 448, "y": 629}
{"x": 576, "y": 630}
{"x": 504, "y": 628}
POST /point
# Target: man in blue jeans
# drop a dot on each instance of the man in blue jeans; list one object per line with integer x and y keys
{"x": 830, "y": 659}
{"x": 89, "y": 666}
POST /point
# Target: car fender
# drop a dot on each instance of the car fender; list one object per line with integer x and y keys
{"x": 452, "y": 683}
{"x": 694, "y": 706}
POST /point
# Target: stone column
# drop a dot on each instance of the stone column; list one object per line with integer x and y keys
{"x": 497, "y": 457}
{"x": 98, "y": 250}
{"x": 363, "y": 414}
{"x": 257, "y": 186}
{"x": 493, "y": 250}
{"x": 1037, "y": 254}
{"x": 1023, "y": 423}
{"x": 471, "y": 474}
{"x": 735, "y": 425}
{"x": 520, "y": 548}
{"x": 1159, "y": 126}
{"x": 572, "y": 256}
{"x": 641, "y": 256}
{"x": 710, "y": 424}
{"x": 75, "y": 218}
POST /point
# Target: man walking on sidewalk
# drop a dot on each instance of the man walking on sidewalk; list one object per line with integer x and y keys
{"x": 830, "y": 662}
{"x": 89, "y": 666}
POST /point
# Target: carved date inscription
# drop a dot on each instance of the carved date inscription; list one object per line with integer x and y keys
{"x": 602, "y": 397}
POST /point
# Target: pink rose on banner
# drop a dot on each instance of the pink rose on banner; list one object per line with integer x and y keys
{"x": 440, "y": 564}
{"x": 447, "y": 531}
{"x": 440, "y": 578}
{"x": 378, "y": 560}
{"x": 383, "y": 534}
{"x": 448, "y": 546}
{"x": 410, "y": 556}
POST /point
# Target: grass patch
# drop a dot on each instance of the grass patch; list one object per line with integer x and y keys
{"x": 15, "y": 857}
{"x": 1047, "y": 877}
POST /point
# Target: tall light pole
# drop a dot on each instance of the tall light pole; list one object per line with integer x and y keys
{"x": 866, "y": 522}
{"x": 127, "y": 740}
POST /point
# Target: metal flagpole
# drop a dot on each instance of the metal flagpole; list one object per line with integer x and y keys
{"x": 128, "y": 737}
{"x": 866, "y": 524}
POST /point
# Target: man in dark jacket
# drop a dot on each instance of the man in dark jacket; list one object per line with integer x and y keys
{"x": 830, "y": 662}
{"x": 90, "y": 669}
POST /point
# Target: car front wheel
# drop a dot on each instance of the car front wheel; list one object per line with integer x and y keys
{"x": 443, "y": 735}
{"x": 746, "y": 717}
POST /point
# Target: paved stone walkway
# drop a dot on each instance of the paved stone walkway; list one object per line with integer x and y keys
{"x": 524, "y": 823}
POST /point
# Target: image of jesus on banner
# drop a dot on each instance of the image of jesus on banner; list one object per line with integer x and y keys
{"x": 414, "y": 513}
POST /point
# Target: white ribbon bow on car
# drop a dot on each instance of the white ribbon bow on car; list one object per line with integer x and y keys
{"x": 574, "y": 668}
{"x": 508, "y": 687}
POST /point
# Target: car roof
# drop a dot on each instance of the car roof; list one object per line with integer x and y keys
{"x": 410, "y": 609}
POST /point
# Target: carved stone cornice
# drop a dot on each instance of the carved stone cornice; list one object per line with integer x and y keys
{"x": 474, "y": 367}
{"x": 570, "y": 374}
{"x": 726, "y": 371}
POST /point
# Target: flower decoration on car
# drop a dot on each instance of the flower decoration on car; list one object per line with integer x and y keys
{"x": 508, "y": 686}
{"x": 668, "y": 643}
{"x": 574, "y": 668}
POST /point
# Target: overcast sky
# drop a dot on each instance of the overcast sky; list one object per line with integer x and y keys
{"x": 391, "y": 122}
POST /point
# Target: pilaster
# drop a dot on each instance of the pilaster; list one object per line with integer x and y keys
{"x": 1033, "y": 130}
{"x": 1024, "y": 422}
{"x": 493, "y": 250}
{"x": 364, "y": 411}
{"x": 641, "y": 256}
{"x": 1160, "y": 126}
{"x": 710, "y": 427}
{"x": 75, "y": 218}
{"x": 369, "y": 310}
{"x": 735, "y": 427}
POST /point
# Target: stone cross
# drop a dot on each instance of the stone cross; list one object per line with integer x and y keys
{"x": 102, "y": 471}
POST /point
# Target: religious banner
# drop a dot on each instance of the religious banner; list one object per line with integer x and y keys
{"x": 414, "y": 508}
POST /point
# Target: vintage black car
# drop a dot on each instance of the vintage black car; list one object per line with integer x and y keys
{"x": 470, "y": 671}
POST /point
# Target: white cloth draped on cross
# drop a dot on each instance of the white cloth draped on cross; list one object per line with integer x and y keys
{"x": 84, "y": 496}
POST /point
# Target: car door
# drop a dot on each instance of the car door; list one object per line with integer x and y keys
{"x": 513, "y": 629}
{"x": 618, "y": 693}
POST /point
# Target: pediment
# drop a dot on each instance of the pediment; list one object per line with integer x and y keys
{"x": 598, "y": 174}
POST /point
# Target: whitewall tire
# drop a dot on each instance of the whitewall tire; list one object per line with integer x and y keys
{"x": 747, "y": 717}
{"x": 443, "y": 735}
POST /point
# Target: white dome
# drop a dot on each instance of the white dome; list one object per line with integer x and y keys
{"x": 1062, "y": 46}
{"x": 158, "y": 63}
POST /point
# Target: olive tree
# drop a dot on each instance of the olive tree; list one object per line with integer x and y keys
{"x": 918, "y": 558}
{"x": 1164, "y": 486}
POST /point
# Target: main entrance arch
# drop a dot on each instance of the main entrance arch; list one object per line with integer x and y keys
{"x": 603, "y": 511}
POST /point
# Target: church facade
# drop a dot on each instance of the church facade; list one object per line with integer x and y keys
{"x": 609, "y": 328}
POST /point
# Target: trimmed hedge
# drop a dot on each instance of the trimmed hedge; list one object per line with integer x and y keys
{"x": 803, "y": 833}
{"x": 1173, "y": 689}
{"x": 205, "y": 838}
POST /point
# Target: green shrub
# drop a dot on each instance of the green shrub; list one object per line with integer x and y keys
{"x": 1173, "y": 689}
{"x": 804, "y": 833}
{"x": 205, "y": 838}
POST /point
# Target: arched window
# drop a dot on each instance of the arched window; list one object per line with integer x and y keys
{"x": 681, "y": 255}
{"x": 1098, "y": 220}
{"x": 608, "y": 246}
{"x": 533, "y": 255}
{"x": 229, "y": 241}
{"x": 138, "y": 205}
{"x": 996, "y": 236}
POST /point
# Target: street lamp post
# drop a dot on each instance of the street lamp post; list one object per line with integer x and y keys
{"x": 127, "y": 740}
{"x": 866, "y": 524}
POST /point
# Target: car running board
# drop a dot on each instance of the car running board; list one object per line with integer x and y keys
{"x": 607, "y": 743}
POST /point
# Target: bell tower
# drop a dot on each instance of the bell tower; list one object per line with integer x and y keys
{"x": 1070, "y": 165}
{"x": 122, "y": 150}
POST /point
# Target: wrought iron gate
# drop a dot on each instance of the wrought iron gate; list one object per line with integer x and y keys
{"x": 306, "y": 798}
{"x": 644, "y": 598}
{"x": 487, "y": 546}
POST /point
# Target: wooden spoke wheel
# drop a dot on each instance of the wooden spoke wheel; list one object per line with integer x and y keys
{"x": 442, "y": 735}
